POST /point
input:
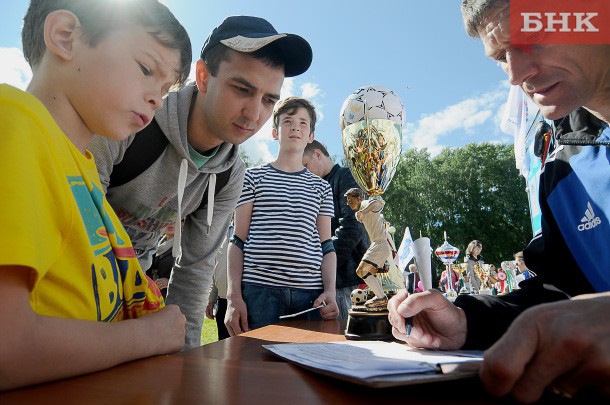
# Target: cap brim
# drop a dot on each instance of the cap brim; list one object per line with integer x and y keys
{"x": 296, "y": 50}
{"x": 297, "y": 54}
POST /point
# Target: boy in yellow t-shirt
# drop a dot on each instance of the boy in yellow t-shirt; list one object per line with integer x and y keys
{"x": 67, "y": 267}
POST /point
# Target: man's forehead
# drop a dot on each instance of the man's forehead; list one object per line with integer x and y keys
{"x": 254, "y": 72}
{"x": 494, "y": 31}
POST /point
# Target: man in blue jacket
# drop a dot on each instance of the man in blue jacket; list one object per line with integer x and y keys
{"x": 552, "y": 333}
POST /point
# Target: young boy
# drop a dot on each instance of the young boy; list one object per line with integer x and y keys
{"x": 67, "y": 267}
{"x": 281, "y": 259}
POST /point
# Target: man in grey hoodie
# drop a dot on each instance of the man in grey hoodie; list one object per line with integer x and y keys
{"x": 238, "y": 80}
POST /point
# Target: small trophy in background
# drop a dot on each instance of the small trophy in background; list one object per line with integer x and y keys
{"x": 448, "y": 254}
{"x": 371, "y": 124}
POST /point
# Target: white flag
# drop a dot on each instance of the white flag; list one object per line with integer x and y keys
{"x": 514, "y": 122}
{"x": 405, "y": 251}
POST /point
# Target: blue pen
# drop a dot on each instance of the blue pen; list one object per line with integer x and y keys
{"x": 409, "y": 323}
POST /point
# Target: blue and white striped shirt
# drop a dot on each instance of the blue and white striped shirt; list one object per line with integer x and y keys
{"x": 283, "y": 245}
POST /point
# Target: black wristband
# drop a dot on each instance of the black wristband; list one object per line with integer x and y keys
{"x": 237, "y": 242}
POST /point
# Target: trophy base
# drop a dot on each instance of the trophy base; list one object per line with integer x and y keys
{"x": 368, "y": 326}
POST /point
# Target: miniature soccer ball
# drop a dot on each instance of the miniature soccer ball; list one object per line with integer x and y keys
{"x": 380, "y": 102}
{"x": 358, "y": 296}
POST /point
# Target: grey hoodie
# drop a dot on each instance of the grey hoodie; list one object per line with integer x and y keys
{"x": 148, "y": 203}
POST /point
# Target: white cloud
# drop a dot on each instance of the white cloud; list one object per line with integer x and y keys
{"x": 466, "y": 116}
{"x": 14, "y": 70}
{"x": 477, "y": 119}
{"x": 309, "y": 90}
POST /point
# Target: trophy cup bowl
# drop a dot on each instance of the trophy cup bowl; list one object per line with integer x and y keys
{"x": 372, "y": 151}
{"x": 372, "y": 146}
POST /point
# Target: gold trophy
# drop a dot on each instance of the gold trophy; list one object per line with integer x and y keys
{"x": 371, "y": 124}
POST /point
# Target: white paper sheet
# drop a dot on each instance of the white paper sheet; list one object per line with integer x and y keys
{"x": 367, "y": 359}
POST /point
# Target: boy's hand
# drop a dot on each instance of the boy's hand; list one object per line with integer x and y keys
{"x": 209, "y": 310}
{"x": 236, "y": 318}
{"x": 162, "y": 283}
{"x": 330, "y": 311}
{"x": 169, "y": 328}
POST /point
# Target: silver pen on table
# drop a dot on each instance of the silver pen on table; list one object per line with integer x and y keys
{"x": 323, "y": 304}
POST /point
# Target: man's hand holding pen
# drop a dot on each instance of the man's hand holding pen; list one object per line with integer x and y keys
{"x": 434, "y": 323}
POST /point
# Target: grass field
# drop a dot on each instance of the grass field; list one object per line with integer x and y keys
{"x": 209, "y": 332}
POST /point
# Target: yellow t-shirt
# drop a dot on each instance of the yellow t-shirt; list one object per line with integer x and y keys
{"x": 55, "y": 220}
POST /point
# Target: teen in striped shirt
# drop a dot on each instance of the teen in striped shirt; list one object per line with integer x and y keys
{"x": 281, "y": 259}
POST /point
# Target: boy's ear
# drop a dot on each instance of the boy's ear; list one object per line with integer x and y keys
{"x": 201, "y": 76}
{"x": 274, "y": 134}
{"x": 311, "y": 137}
{"x": 61, "y": 30}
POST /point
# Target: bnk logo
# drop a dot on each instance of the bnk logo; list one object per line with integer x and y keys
{"x": 559, "y": 22}
{"x": 589, "y": 221}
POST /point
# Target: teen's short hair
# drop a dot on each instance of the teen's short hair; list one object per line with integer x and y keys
{"x": 98, "y": 18}
{"x": 311, "y": 147}
{"x": 290, "y": 106}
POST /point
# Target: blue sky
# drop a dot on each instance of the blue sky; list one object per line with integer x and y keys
{"x": 452, "y": 94}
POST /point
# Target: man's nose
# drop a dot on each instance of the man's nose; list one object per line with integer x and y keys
{"x": 520, "y": 65}
{"x": 252, "y": 110}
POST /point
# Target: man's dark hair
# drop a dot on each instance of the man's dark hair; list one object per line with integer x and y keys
{"x": 311, "y": 147}
{"x": 474, "y": 13}
{"x": 271, "y": 55}
{"x": 290, "y": 106}
{"x": 98, "y": 18}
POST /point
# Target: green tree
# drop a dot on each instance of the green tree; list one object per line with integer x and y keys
{"x": 473, "y": 192}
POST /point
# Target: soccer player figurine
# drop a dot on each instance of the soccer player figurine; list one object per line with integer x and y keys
{"x": 369, "y": 213}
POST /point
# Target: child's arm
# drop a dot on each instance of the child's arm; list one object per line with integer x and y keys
{"x": 329, "y": 273}
{"x": 36, "y": 348}
{"x": 236, "y": 318}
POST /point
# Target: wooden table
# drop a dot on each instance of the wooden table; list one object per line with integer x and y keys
{"x": 239, "y": 371}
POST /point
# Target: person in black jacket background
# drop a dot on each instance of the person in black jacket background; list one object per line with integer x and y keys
{"x": 349, "y": 236}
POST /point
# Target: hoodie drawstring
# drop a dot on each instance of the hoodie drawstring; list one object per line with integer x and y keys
{"x": 211, "y": 195}
{"x": 177, "y": 248}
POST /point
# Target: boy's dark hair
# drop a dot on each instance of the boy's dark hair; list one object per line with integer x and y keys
{"x": 290, "y": 106}
{"x": 98, "y": 18}
{"x": 271, "y": 55}
{"x": 310, "y": 147}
